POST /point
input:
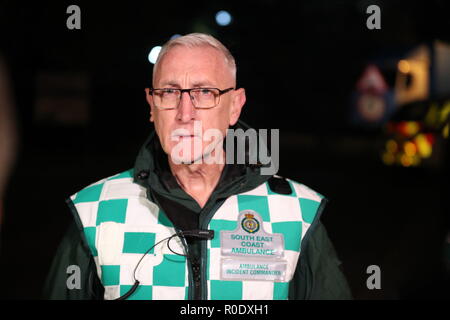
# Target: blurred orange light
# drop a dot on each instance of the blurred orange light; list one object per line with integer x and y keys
{"x": 391, "y": 146}
{"x": 410, "y": 148}
{"x": 404, "y": 66}
{"x": 405, "y": 160}
{"x": 411, "y": 128}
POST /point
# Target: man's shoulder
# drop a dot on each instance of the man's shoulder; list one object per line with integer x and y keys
{"x": 282, "y": 185}
{"x": 95, "y": 191}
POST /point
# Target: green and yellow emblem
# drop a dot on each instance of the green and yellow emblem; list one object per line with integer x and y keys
{"x": 249, "y": 223}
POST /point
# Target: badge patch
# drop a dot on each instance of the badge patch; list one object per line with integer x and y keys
{"x": 253, "y": 269}
{"x": 250, "y": 253}
{"x": 249, "y": 223}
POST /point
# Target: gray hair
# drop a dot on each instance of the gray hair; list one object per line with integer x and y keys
{"x": 195, "y": 40}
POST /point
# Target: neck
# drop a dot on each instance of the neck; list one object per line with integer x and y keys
{"x": 198, "y": 180}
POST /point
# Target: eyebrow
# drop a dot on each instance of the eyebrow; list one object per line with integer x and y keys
{"x": 203, "y": 84}
{"x": 198, "y": 84}
{"x": 169, "y": 83}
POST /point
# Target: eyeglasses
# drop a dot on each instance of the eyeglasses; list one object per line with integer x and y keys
{"x": 202, "y": 98}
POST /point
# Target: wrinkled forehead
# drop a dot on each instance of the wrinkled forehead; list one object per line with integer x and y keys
{"x": 198, "y": 64}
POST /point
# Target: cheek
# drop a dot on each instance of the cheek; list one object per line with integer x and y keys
{"x": 224, "y": 120}
{"x": 162, "y": 127}
{"x": 213, "y": 126}
{"x": 219, "y": 120}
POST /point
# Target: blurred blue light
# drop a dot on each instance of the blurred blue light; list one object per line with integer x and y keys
{"x": 175, "y": 36}
{"x": 223, "y": 18}
{"x": 153, "y": 55}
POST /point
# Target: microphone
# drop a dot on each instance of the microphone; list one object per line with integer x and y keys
{"x": 199, "y": 233}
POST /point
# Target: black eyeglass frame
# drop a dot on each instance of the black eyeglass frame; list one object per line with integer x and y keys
{"x": 221, "y": 92}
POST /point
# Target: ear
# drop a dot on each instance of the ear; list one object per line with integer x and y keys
{"x": 149, "y": 99}
{"x": 236, "y": 105}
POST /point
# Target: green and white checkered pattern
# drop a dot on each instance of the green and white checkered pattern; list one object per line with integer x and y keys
{"x": 120, "y": 225}
{"x": 291, "y": 215}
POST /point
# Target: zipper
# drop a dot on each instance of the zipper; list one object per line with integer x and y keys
{"x": 196, "y": 275}
{"x": 198, "y": 265}
{"x": 189, "y": 267}
{"x": 204, "y": 250}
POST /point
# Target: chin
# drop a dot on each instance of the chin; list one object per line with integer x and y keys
{"x": 186, "y": 160}
{"x": 178, "y": 156}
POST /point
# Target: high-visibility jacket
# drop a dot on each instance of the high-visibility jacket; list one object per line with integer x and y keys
{"x": 265, "y": 231}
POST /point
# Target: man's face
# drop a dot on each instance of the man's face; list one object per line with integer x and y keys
{"x": 183, "y": 68}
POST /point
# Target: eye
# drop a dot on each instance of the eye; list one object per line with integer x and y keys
{"x": 205, "y": 92}
{"x": 169, "y": 92}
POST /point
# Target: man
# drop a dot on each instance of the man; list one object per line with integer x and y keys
{"x": 186, "y": 224}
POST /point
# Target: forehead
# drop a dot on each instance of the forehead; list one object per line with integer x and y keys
{"x": 192, "y": 64}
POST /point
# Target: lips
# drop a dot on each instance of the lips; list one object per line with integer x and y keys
{"x": 185, "y": 136}
{"x": 181, "y": 137}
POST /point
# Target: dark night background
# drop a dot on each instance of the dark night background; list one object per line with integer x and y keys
{"x": 298, "y": 60}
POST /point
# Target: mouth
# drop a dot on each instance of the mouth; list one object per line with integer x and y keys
{"x": 184, "y": 136}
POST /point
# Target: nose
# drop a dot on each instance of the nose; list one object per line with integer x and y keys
{"x": 186, "y": 110}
